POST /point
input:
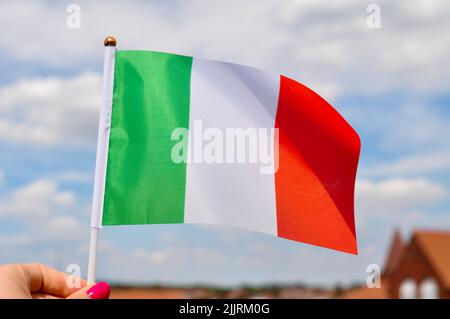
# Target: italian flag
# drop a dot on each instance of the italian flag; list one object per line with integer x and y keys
{"x": 308, "y": 197}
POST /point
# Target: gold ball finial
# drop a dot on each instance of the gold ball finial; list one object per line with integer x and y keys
{"x": 110, "y": 42}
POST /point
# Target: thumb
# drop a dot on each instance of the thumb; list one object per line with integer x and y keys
{"x": 99, "y": 290}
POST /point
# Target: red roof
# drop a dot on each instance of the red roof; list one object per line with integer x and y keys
{"x": 435, "y": 245}
{"x": 394, "y": 255}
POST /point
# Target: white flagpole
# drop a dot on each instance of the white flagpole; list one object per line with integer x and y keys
{"x": 102, "y": 154}
{"x": 93, "y": 243}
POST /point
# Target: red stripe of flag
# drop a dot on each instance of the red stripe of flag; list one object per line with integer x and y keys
{"x": 318, "y": 158}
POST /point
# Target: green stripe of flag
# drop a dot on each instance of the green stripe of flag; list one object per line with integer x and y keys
{"x": 151, "y": 98}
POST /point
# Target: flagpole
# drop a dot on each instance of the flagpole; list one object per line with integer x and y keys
{"x": 102, "y": 153}
{"x": 93, "y": 244}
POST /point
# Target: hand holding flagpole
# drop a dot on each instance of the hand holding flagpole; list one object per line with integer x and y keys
{"x": 102, "y": 151}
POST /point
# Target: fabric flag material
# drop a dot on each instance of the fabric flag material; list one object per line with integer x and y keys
{"x": 309, "y": 197}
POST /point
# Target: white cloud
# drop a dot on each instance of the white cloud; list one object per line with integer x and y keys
{"x": 12, "y": 245}
{"x": 156, "y": 257}
{"x": 326, "y": 45}
{"x": 2, "y": 178}
{"x": 36, "y": 199}
{"x": 15, "y": 240}
{"x": 51, "y": 111}
{"x": 63, "y": 227}
{"x": 396, "y": 196}
{"x": 252, "y": 260}
{"x": 167, "y": 237}
{"x": 178, "y": 254}
{"x": 45, "y": 211}
{"x": 74, "y": 177}
{"x": 418, "y": 164}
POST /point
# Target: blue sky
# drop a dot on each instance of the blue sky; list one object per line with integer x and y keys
{"x": 392, "y": 84}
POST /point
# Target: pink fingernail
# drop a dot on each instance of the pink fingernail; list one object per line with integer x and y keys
{"x": 100, "y": 290}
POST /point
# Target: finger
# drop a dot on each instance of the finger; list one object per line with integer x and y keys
{"x": 100, "y": 290}
{"x": 44, "y": 279}
{"x": 44, "y": 296}
{"x": 80, "y": 294}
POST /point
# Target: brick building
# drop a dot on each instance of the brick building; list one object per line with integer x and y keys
{"x": 419, "y": 268}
